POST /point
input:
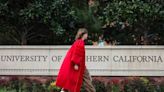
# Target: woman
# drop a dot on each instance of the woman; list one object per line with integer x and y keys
{"x": 73, "y": 71}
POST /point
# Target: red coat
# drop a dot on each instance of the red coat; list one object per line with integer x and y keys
{"x": 68, "y": 77}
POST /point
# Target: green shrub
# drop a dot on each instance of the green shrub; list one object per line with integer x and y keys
{"x": 99, "y": 86}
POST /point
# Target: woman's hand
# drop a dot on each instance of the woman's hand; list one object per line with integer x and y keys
{"x": 76, "y": 67}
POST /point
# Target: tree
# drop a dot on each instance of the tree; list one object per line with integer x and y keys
{"x": 34, "y": 20}
{"x": 141, "y": 17}
{"x": 56, "y": 21}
